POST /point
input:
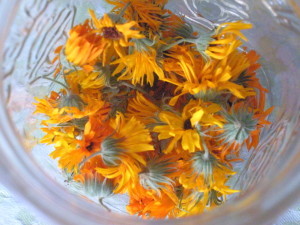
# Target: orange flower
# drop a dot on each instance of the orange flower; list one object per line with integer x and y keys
{"x": 122, "y": 152}
{"x": 150, "y": 205}
{"x": 64, "y": 107}
{"x": 226, "y": 39}
{"x": 84, "y": 46}
{"x": 243, "y": 125}
{"x": 116, "y": 36}
{"x": 95, "y": 132}
{"x": 137, "y": 66}
{"x": 253, "y": 140}
{"x": 142, "y": 108}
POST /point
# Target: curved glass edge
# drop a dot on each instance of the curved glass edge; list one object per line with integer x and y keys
{"x": 76, "y": 207}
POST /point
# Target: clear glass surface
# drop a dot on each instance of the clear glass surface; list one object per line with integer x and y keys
{"x": 269, "y": 177}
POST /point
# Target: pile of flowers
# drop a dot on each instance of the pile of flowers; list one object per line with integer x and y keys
{"x": 153, "y": 108}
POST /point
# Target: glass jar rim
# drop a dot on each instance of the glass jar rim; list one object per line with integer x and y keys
{"x": 21, "y": 174}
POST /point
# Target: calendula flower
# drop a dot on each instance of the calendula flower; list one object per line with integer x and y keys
{"x": 69, "y": 100}
{"x": 181, "y": 129}
{"x": 121, "y": 152}
{"x": 130, "y": 138}
{"x": 223, "y": 41}
{"x": 139, "y": 67}
{"x": 144, "y": 11}
{"x": 150, "y": 205}
{"x": 184, "y": 61}
{"x": 124, "y": 175}
{"x": 194, "y": 202}
{"x": 49, "y": 106}
{"x": 116, "y": 36}
{"x": 62, "y": 135}
{"x": 260, "y": 116}
{"x": 84, "y": 46}
{"x": 85, "y": 82}
{"x": 63, "y": 140}
{"x": 204, "y": 172}
{"x": 242, "y": 125}
{"x": 158, "y": 173}
{"x": 66, "y": 106}
{"x": 174, "y": 26}
{"x": 191, "y": 202}
{"x": 215, "y": 76}
{"x": 95, "y": 132}
{"x": 95, "y": 185}
{"x": 245, "y": 65}
{"x": 142, "y": 108}
{"x": 239, "y": 124}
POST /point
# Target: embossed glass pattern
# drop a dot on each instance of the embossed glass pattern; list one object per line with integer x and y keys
{"x": 269, "y": 177}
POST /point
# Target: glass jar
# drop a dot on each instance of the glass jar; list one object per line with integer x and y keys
{"x": 269, "y": 177}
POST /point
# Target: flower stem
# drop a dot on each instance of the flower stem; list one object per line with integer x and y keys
{"x": 88, "y": 158}
{"x": 101, "y": 201}
{"x": 58, "y": 82}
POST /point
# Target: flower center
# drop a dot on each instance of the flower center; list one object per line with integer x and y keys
{"x": 111, "y": 33}
{"x": 90, "y": 147}
{"x": 187, "y": 125}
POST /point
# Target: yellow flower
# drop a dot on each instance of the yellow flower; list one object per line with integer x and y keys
{"x": 83, "y": 46}
{"x": 144, "y": 11}
{"x": 137, "y": 66}
{"x": 218, "y": 77}
{"x": 65, "y": 106}
{"x": 192, "y": 202}
{"x": 116, "y": 36}
{"x": 95, "y": 131}
{"x": 142, "y": 108}
{"x": 49, "y": 106}
{"x": 159, "y": 173}
{"x": 183, "y": 61}
{"x": 130, "y": 138}
{"x": 121, "y": 152}
{"x": 226, "y": 39}
{"x": 204, "y": 173}
{"x": 182, "y": 128}
{"x": 204, "y": 181}
{"x": 61, "y": 134}
{"x": 244, "y": 66}
{"x": 215, "y": 76}
{"x": 63, "y": 141}
{"x": 85, "y": 82}
{"x": 124, "y": 176}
